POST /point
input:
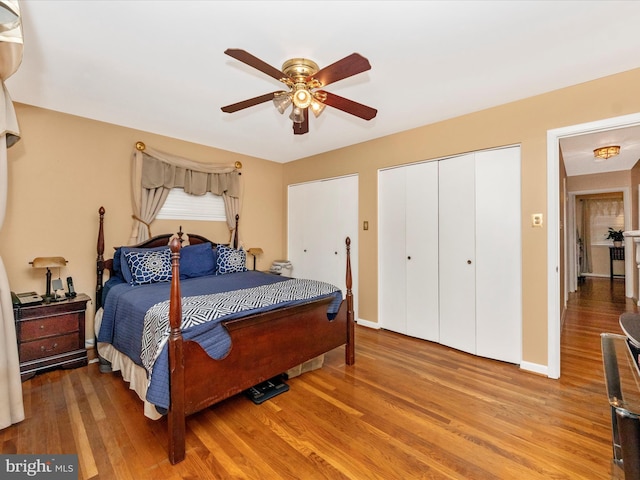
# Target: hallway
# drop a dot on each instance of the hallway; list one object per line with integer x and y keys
{"x": 593, "y": 309}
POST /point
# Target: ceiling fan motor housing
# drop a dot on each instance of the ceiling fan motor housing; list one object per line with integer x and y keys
{"x": 298, "y": 69}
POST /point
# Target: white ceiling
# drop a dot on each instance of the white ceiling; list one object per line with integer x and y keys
{"x": 159, "y": 66}
{"x": 577, "y": 151}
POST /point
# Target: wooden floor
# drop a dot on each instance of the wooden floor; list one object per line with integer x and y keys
{"x": 408, "y": 409}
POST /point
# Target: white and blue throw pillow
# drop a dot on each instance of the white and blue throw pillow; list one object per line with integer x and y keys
{"x": 230, "y": 260}
{"x": 151, "y": 266}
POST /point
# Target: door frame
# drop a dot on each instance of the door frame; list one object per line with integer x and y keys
{"x": 571, "y": 221}
{"x": 553, "y": 221}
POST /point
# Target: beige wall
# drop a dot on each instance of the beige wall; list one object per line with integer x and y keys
{"x": 65, "y": 167}
{"x": 525, "y": 122}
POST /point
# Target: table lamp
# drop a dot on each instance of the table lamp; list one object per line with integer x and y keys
{"x": 48, "y": 263}
{"x": 255, "y": 252}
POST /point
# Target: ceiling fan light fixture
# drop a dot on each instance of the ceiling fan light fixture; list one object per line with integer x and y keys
{"x": 316, "y": 107}
{"x": 297, "y": 114}
{"x": 301, "y": 96}
{"x": 604, "y": 153}
{"x": 282, "y": 101}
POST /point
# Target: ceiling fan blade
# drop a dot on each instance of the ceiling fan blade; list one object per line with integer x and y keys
{"x": 302, "y": 128}
{"x": 255, "y": 62}
{"x": 348, "y": 106}
{"x": 347, "y": 67}
{"x": 249, "y": 102}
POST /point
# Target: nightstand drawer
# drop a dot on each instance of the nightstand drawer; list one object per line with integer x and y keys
{"x": 45, "y": 327}
{"x": 48, "y": 346}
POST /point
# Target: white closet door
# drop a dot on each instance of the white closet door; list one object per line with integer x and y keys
{"x": 306, "y": 219}
{"x": 297, "y": 217}
{"x": 343, "y": 223}
{"x": 422, "y": 251}
{"x": 457, "y": 253}
{"x": 498, "y": 253}
{"x": 321, "y": 215}
{"x": 392, "y": 258}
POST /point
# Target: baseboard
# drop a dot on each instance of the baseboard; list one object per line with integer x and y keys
{"x": 368, "y": 324}
{"x": 535, "y": 368}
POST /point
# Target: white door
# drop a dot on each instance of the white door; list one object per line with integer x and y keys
{"x": 457, "y": 253}
{"x": 392, "y": 257}
{"x": 408, "y": 250}
{"x": 321, "y": 215}
{"x": 422, "y": 251}
{"x": 498, "y": 254}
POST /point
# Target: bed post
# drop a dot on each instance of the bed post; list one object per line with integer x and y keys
{"x": 176, "y": 416}
{"x": 350, "y": 350}
{"x": 235, "y": 234}
{"x": 100, "y": 259}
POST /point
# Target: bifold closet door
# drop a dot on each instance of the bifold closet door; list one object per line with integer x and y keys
{"x": 392, "y": 256}
{"x": 408, "y": 250}
{"x": 499, "y": 256}
{"x": 321, "y": 215}
{"x": 422, "y": 251}
{"x": 456, "y": 222}
{"x": 480, "y": 254}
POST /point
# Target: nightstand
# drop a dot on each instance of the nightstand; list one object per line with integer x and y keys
{"x": 51, "y": 335}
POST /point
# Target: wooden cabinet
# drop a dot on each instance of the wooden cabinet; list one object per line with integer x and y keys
{"x": 51, "y": 335}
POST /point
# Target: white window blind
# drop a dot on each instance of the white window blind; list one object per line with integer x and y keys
{"x": 182, "y": 206}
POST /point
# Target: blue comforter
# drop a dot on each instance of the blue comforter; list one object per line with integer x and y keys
{"x": 125, "y": 307}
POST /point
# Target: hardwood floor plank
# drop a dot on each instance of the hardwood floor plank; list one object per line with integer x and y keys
{"x": 407, "y": 409}
{"x": 85, "y": 455}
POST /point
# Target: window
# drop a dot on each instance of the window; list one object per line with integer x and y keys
{"x": 182, "y": 206}
{"x": 604, "y": 214}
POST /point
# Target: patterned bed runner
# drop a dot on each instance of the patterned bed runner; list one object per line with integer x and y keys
{"x": 201, "y": 309}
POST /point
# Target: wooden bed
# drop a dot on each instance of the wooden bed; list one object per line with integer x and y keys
{"x": 300, "y": 332}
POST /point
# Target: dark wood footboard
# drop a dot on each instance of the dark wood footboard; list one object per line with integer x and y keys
{"x": 262, "y": 346}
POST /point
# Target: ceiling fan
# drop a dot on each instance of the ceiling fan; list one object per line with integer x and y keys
{"x": 304, "y": 78}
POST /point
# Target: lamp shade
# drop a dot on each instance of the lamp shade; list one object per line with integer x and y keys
{"x": 297, "y": 115}
{"x": 48, "y": 262}
{"x": 281, "y": 102}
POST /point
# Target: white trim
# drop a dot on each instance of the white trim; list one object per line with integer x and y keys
{"x": 534, "y": 368}
{"x": 553, "y": 222}
{"x": 629, "y": 286}
{"x": 368, "y": 324}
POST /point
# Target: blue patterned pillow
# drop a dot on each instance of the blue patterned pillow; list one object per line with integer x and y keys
{"x": 149, "y": 267}
{"x": 230, "y": 260}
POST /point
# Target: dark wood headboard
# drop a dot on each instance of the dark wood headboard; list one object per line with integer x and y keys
{"x": 157, "y": 241}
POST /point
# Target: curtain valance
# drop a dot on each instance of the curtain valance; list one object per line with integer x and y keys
{"x": 154, "y": 173}
{"x": 194, "y": 178}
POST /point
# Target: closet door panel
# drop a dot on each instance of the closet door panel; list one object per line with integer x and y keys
{"x": 297, "y": 201}
{"x": 392, "y": 261}
{"x": 343, "y": 224}
{"x": 321, "y": 215}
{"x": 499, "y": 256}
{"x": 422, "y": 251}
{"x": 457, "y": 253}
